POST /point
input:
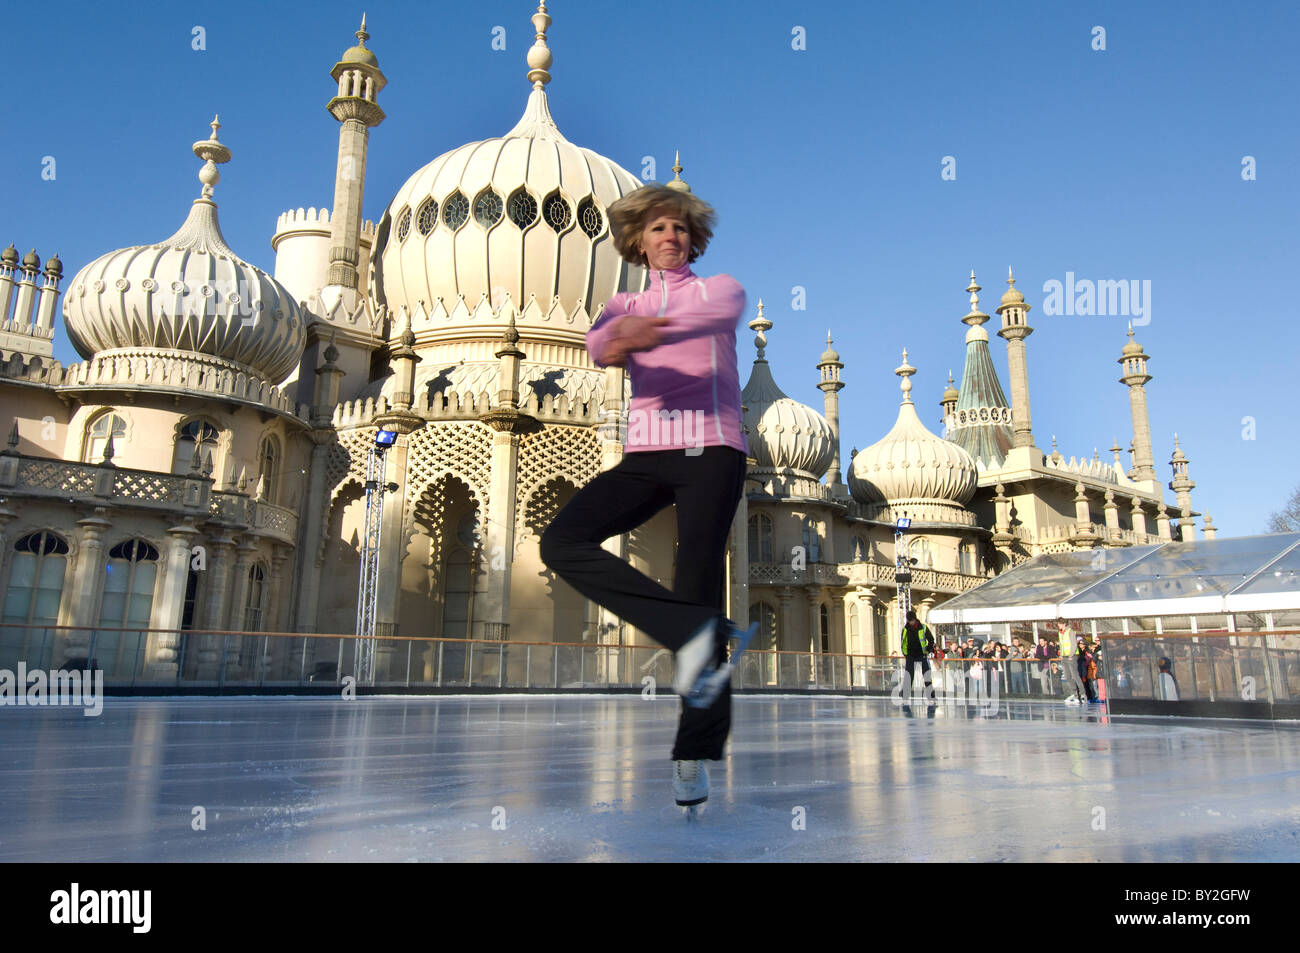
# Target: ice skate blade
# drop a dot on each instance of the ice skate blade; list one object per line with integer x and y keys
{"x": 693, "y": 812}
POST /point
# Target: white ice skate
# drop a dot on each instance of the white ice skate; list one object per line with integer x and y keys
{"x": 697, "y": 680}
{"x": 690, "y": 786}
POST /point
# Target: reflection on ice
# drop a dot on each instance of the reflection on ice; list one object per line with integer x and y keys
{"x": 537, "y": 778}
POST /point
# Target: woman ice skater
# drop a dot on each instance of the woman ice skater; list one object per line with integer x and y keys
{"x": 685, "y": 446}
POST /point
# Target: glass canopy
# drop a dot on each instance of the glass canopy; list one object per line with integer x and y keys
{"x": 1239, "y": 574}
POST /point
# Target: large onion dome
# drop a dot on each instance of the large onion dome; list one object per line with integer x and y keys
{"x": 912, "y": 469}
{"x": 522, "y": 215}
{"x": 189, "y": 293}
{"x": 783, "y": 433}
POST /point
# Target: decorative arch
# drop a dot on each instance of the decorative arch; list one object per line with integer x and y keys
{"x": 32, "y": 593}
{"x": 197, "y": 429}
{"x": 95, "y": 437}
{"x": 270, "y": 466}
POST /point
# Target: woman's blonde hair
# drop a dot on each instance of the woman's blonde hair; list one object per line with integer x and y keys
{"x": 629, "y": 216}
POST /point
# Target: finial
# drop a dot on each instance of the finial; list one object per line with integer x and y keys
{"x": 108, "y": 447}
{"x": 196, "y": 460}
{"x": 1176, "y": 447}
{"x": 207, "y": 464}
{"x": 905, "y": 371}
{"x": 331, "y": 352}
{"x": 361, "y": 34}
{"x": 678, "y": 184}
{"x": 1054, "y": 443}
{"x": 539, "y": 55}
{"x": 950, "y": 380}
{"x": 512, "y": 333}
{"x": 976, "y": 317}
{"x": 760, "y": 324}
{"x": 212, "y": 151}
{"x": 1130, "y": 330}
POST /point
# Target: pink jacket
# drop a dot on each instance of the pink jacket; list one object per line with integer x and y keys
{"x": 685, "y": 391}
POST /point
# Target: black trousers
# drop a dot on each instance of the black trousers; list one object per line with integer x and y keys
{"x": 706, "y": 489}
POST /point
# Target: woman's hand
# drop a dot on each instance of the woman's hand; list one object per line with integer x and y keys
{"x": 635, "y": 333}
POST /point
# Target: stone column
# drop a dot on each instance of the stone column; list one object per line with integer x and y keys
{"x": 494, "y": 606}
{"x": 1139, "y": 517}
{"x": 315, "y": 510}
{"x": 162, "y": 654}
{"x": 87, "y": 582}
{"x": 839, "y": 627}
{"x": 244, "y": 553}
{"x": 215, "y": 606}
{"x": 786, "y": 596}
{"x": 1112, "y": 515}
{"x": 1162, "y": 522}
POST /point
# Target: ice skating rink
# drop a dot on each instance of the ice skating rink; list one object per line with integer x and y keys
{"x": 587, "y": 778}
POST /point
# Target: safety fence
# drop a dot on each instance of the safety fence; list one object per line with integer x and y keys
{"x": 157, "y": 660}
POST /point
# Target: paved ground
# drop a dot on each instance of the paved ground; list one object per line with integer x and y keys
{"x": 588, "y": 778}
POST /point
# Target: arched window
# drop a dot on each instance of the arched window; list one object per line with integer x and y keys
{"x": 131, "y": 573}
{"x": 255, "y": 604}
{"x": 97, "y": 437}
{"x": 880, "y": 630}
{"x": 129, "y": 579}
{"x": 36, "y": 579}
{"x": 195, "y": 432}
{"x": 457, "y": 589}
{"x": 811, "y": 540}
{"x": 269, "y": 469}
{"x": 855, "y": 628}
{"x": 32, "y": 596}
{"x": 760, "y": 538}
{"x": 966, "y": 555}
{"x": 919, "y": 550}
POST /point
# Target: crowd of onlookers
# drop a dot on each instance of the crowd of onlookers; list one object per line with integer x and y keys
{"x": 1076, "y": 668}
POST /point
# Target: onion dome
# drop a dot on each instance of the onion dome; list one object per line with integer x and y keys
{"x": 830, "y": 354}
{"x": 783, "y": 433}
{"x": 1012, "y": 295}
{"x": 911, "y": 467}
{"x": 9, "y": 256}
{"x": 678, "y": 184}
{"x": 31, "y": 261}
{"x": 188, "y": 293}
{"x": 950, "y": 394}
{"x": 53, "y": 268}
{"x": 359, "y": 53}
{"x": 1132, "y": 348}
{"x": 522, "y": 215}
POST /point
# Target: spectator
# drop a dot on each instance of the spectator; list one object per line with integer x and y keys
{"x": 1071, "y": 683}
{"x": 1086, "y": 668}
{"x": 1166, "y": 684}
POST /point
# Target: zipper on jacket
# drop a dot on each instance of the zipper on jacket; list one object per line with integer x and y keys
{"x": 663, "y": 292}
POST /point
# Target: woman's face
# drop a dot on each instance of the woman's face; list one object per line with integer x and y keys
{"x": 666, "y": 241}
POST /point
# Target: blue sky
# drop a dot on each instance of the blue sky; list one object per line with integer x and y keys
{"x": 824, "y": 163}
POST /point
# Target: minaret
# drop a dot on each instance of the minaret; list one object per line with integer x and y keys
{"x": 1134, "y": 362}
{"x": 949, "y": 405}
{"x": 1015, "y": 328}
{"x": 981, "y": 417}
{"x": 830, "y": 385}
{"x": 1182, "y": 486}
{"x": 356, "y": 107}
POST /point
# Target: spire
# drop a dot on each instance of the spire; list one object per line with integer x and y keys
{"x": 761, "y": 325}
{"x": 213, "y": 152}
{"x": 976, "y": 317}
{"x": 978, "y": 416}
{"x": 361, "y": 34}
{"x": 539, "y": 56}
{"x": 678, "y": 184}
{"x": 905, "y": 371}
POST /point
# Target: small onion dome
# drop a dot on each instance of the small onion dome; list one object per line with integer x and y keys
{"x": 1132, "y": 348}
{"x": 191, "y": 293}
{"x": 54, "y": 267}
{"x": 1179, "y": 456}
{"x": 31, "y": 261}
{"x": 359, "y": 53}
{"x": 1012, "y": 295}
{"x": 951, "y": 394}
{"x": 910, "y": 464}
{"x": 9, "y": 256}
{"x": 830, "y": 353}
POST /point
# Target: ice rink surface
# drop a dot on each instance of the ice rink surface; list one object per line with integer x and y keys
{"x": 587, "y": 778}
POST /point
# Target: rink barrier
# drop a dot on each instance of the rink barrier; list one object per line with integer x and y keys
{"x": 171, "y": 661}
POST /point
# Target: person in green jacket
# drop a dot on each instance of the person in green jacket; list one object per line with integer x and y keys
{"x": 918, "y": 643}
